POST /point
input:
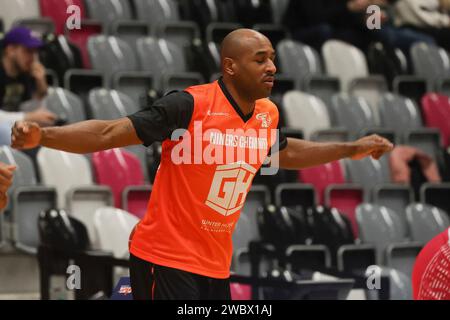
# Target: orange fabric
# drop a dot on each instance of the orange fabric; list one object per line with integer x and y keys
{"x": 193, "y": 208}
{"x": 401, "y": 172}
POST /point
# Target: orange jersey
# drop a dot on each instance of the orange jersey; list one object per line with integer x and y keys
{"x": 195, "y": 204}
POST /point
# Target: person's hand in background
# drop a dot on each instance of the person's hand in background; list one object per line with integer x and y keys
{"x": 6, "y": 177}
{"x": 42, "y": 116}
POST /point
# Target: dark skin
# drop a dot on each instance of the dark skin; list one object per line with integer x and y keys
{"x": 248, "y": 72}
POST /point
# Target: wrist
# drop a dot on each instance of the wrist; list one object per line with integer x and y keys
{"x": 350, "y": 149}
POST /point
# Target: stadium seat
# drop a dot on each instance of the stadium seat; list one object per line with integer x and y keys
{"x": 425, "y": 221}
{"x": 108, "y": 11}
{"x": 395, "y": 197}
{"x": 27, "y": 200}
{"x": 430, "y": 62}
{"x": 306, "y": 112}
{"x": 354, "y": 114}
{"x": 383, "y": 228}
{"x": 110, "y": 55}
{"x": 110, "y": 104}
{"x": 344, "y": 61}
{"x": 66, "y": 105}
{"x": 114, "y": 227}
{"x": 157, "y": 12}
{"x": 125, "y": 165}
{"x": 303, "y": 63}
{"x": 322, "y": 176}
{"x": 77, "y": 193}
{"x": 169, "y": 66}
{"x": 399, "y": 114}
{"x": 436, "y": 113}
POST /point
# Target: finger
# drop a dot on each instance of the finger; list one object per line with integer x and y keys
{"x": 5, "y": 174}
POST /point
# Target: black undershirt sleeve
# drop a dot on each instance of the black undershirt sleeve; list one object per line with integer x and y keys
{"x": 158, "y": 121}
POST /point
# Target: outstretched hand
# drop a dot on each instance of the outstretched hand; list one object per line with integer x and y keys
{"x": 25, "y": 135}
{"x": 373, "y": 145}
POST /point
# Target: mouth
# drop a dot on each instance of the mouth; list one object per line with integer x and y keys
{"x": 269, "y": 81}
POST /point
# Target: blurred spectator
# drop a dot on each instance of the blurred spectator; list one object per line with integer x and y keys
{"x": 429, "y": 16}
{"x": 22, "y": 78}
{"x": 413, "y": 167}
{"x": 314, "y": 22}
{"x": 394, "y": 36}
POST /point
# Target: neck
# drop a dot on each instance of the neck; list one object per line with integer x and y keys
{"x": 10, "y": 70}
{"x": 245, "y": 104}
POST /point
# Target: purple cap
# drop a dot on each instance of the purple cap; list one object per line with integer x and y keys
{"x": 22, "y": 36}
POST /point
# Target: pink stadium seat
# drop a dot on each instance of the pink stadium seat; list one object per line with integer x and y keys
{"x": 79, "y": 37}
{"x": 240, "y": 291}
{"x": 322, "y": 176}
{"x": 57, "y": 11}
{"x": 117, "y": 169}
{"x": 436, "y": 112}
{"x": 344, "y": 199}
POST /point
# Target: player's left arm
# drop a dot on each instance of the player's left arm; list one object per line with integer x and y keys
{"x": 299, "y": 154}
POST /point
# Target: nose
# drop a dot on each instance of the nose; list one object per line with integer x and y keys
{"x": 271, "y": 68}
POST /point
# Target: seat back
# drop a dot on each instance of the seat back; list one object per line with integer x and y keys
{"x": 68, "y": 106}
{"x": 56, "y": 10}
{"x": 379, "y": 226}
{"x": 126, "y": 167}
{"x": 13, "y": 10}
{"x": 436, "y": 112}
{"x": 157, "y": 12}
{"x": 425, "y": 221}
{"x": 306, "y": 112}
{"x": 110, "y": 54}
{"x": 399, "y": 113}
{"x": 110, "y": 104}
{"x": 430, "y": 62}
{"x": 54, "y": 165}
{"x": 344, "y": 61}
{"x": 108, "y": 11}
{"x": 114, "y": 227}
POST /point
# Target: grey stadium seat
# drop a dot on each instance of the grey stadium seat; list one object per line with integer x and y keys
{"x": 65, "y": 104}
{"x": 110, "y": 104}
{"x": 425, "y": 221}
{"x": 111, "y": 54}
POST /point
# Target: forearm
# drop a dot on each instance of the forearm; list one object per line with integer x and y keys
{"x": 88, "y": 136}
{"x": 41, "y": 89}
{"x": 300, "y": 154}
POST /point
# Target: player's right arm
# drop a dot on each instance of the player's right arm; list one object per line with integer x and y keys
{"x": 82, "y": 137}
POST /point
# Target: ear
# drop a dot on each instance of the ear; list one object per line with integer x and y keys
{"x": 229, "y": 66}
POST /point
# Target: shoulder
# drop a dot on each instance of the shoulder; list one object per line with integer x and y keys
{"x": 175, "y": 98}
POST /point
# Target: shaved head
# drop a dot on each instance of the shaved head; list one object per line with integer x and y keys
{"x": 239, "y": 41}
{"x": 247, "y": 63}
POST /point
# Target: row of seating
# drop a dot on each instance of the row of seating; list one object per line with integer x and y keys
{"x": 155, "y": 12}
{"x": 321, "y": 239}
